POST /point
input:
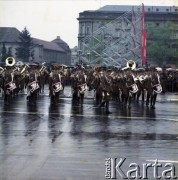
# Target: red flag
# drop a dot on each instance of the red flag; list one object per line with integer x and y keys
{"x": 144, "y": 47}
{"x": 144, "y": 37}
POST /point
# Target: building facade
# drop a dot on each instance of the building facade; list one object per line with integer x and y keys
{"x": 44, "y": 51}
{"x": 74, "y": 56}
{"x": 92, "y": 21}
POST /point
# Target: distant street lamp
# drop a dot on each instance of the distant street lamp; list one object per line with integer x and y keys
{"x": 164, "y": 64}
{"x": 99, "y": 58}
{"x": 89, "y": 57}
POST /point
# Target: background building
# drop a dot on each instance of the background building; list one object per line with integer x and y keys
{"x": 74, "y": 56}
{"x": 56, "y": 51}
{"x": 91, "y": 22}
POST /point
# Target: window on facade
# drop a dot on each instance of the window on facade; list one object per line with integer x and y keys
{"x": 167, "y": 10}
{"x": 175, "y": 52}
{"x": 176, "y": 10}
{"x": 149, "y": 9}
{"x": 81, "y": 29}
{"x": 157, "y": 9}
{"x": 40, "y": 52}
{"x": 176, "y": 35}
{"x": 157, "y": 24}
{"x": 88, "y": 30}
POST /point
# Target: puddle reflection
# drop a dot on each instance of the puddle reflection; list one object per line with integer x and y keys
{"x": 54, "y": 122}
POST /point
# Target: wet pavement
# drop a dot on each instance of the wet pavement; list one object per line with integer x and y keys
{"x": 71, "y": 142}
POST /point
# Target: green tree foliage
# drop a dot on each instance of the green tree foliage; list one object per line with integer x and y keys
{"x": 160, "y": 41}
{"x": 25, "y": 49}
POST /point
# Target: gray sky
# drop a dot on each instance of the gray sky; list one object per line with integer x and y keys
{"x": 51, "y": 18}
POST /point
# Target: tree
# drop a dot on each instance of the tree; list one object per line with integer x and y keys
{"x": 3, "y": 53}
{"x": 25, "y": 49}
{"x": 160, "y": 41}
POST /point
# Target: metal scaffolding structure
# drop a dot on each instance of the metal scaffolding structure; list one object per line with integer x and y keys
{"x": 116, "y": 42}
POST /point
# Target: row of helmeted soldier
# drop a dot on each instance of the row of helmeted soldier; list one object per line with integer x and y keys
{"x": 15, "y": 78}
{"x": 121, "y": 85}
{"x": 125, "y": 84}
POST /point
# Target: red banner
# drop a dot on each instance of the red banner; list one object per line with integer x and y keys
{"x": 144, "y": 37}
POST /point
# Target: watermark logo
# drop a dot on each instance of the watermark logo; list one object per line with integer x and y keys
{"x": 119, "y": 168}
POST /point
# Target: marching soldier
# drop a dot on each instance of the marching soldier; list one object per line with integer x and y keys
{"x": 105, "y": 81}
{"x": 55, "y": 83}
{"x": 8, "y": 76}
{"x": 32, "y": 84}
{"x": 79, "y": 85}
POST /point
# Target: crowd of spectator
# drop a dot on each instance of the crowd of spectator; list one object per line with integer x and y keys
{"x": 169, "y": 81}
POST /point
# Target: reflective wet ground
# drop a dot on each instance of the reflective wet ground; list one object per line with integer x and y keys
{"x": 71, "y": 142}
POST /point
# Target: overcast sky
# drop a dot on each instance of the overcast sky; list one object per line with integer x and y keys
{"x": 48, "y": 19}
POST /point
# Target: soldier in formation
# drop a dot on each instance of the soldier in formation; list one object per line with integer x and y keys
{"x": 121, "y": 85}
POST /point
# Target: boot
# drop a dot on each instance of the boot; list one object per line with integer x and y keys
{"x": 102, "y": 104}
{"x": 107, "y": 108}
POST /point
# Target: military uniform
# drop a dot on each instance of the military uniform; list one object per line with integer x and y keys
{"x": 106, "y": 90}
